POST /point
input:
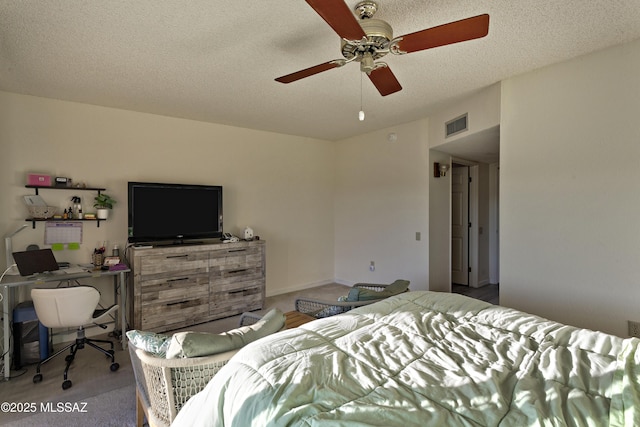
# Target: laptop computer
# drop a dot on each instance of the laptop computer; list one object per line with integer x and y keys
{"x": 38, "y": 261}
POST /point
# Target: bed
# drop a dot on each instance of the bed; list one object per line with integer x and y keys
{"x": 426, "y": 359}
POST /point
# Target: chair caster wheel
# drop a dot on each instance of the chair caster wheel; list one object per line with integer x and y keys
{"x": 37, "y": 378}
{"x": 66, "y": 384}
{"x": 114, "y": 366}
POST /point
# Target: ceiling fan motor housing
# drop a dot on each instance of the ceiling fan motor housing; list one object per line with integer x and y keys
{"x": 378, "y": 32}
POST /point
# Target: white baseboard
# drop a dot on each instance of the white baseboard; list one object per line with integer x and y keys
{"x": 344, "y": 282}
{"x": 297, "y": 288}
{"x": 482, "y": 283}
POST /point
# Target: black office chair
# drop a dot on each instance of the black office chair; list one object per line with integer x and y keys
{"x": 72, "y": 307}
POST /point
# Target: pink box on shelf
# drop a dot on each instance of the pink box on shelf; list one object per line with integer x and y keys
{"x": 39, "y": 179}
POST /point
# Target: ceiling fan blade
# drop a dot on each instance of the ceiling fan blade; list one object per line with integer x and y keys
{"x": 309, "y": 72}
{"x": 339, "y": 17}
{"x": 453, "y": 32}
{"x": 385, "y": 81}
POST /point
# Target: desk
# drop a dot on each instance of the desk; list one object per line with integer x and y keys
{"x": 9, "y": 283}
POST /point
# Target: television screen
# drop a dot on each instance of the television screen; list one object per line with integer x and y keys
{"x": 174, "y": 212}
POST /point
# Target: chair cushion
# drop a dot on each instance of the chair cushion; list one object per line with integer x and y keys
{"x": 363, "y": 294}
{"x": 332, "y": 310}
{"x": 194, "y": 344}
{"x": 156, "y": 344}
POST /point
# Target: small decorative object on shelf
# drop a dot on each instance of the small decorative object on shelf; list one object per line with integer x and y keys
{"x": 41, "y": 212}
{"x": 103, "y": 203}
{"x": 62, "y": 181}
{"x": 77, "y": 208}
{"x": 248, "y": 234}
{"x": 39, "y": 179}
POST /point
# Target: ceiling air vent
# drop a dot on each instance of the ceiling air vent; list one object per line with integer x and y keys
{"x": 455, "y": 126}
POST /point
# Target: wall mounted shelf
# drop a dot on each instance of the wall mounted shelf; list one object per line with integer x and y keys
{"x": 37, "y": 188}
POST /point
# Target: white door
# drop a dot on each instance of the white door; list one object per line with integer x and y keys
{"x": 460, "y": 225}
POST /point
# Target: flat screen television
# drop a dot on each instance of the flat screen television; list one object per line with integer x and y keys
{"x": 175, "y": 213}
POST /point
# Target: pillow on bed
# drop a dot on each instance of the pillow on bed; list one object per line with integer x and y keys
{"x": 194, "y": 344}
{"x": 156, "y": 344}
{"x": 362, "y": 294}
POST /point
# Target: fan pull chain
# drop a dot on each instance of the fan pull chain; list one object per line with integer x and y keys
{"x": 361, "y": 112}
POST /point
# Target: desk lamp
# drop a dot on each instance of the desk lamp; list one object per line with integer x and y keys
{"x": 13, "y": 271}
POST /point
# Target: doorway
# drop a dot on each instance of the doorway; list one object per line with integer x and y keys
{"x": 480, "y": 153}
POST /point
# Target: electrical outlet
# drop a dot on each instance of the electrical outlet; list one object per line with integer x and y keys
{"x": 634, "y": 328}
{"x": 372, "y": 266}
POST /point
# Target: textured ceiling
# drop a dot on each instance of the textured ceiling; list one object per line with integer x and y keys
{"x": 216, "y": 60}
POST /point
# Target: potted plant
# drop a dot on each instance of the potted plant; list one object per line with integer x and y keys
{"x": 103, "y": 203}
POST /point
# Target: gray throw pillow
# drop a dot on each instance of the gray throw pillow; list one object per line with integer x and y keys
{"x": 195, "y": 344}
{"x": 363, "y": 294}
{"x": 156, "y": 344}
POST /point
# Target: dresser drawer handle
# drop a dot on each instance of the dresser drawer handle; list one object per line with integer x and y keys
{"x": 236, "y": 292}
{"x": 178, "y": 256}
{"x": 180, "y": 279}
{"x": 169, "y": 304}
{"x": 237, "y": 250}
{"x": 237, "y": 271}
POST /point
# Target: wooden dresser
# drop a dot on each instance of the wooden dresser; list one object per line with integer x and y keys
{"x": 178, "y": 286}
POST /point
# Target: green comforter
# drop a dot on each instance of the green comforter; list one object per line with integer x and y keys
{"x": 426, "y": 359}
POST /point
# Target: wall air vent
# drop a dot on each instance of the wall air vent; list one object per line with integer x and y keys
{"x": 457, "y": 125}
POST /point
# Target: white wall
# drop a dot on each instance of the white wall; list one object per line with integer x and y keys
{"x": 483, "y": 108}
{"x": 569, "y": 204}
{"x": 439, "y": 226}
{"x": 282, "y": 186}
{"x": 382, "y": 198}
{"x": 483, "y": 225}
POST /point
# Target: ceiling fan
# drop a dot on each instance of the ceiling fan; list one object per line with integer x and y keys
{"x": 370, "y": 39}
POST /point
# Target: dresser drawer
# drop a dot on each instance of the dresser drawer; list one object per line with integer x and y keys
{"x": 236, "y": 258}
{"x": 234, "y": 275}
{"x": 169, "y": 264}
{"x": 169, "y": 303}
{"x": 234, "y": 301}
{"x": 162, "y": 318}
{"x": 171, "y": 288}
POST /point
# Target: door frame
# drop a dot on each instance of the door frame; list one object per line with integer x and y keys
{"x": 494, "y": 229}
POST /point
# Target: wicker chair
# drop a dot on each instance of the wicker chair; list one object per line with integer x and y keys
{"x": 322, "y": 308}
{"x": 163, "y": 386}
{"x": 248, "y": 318}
